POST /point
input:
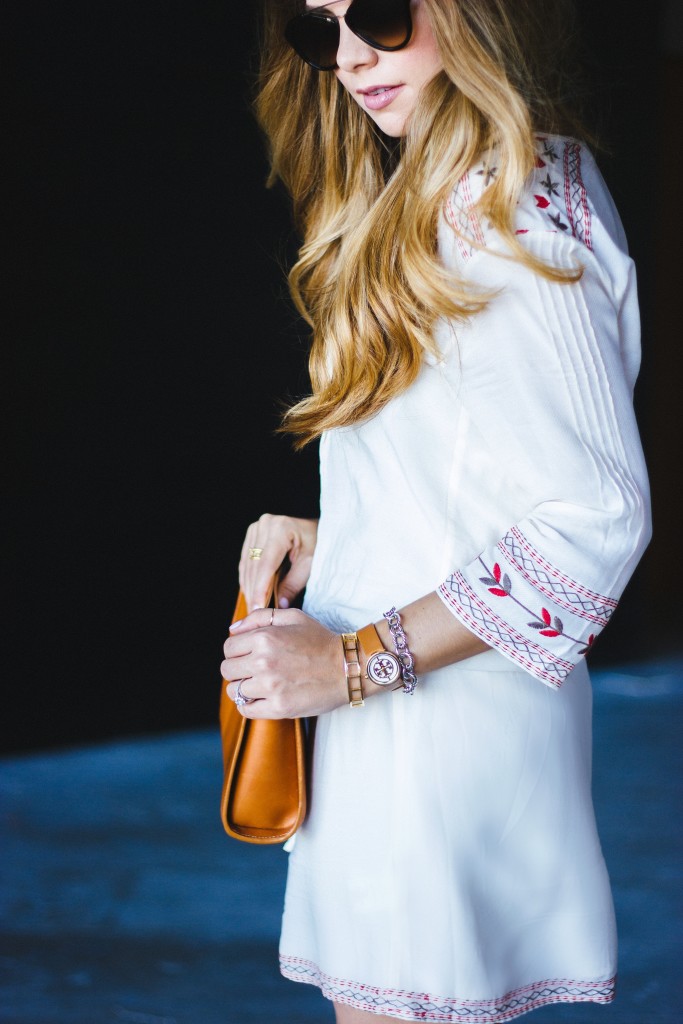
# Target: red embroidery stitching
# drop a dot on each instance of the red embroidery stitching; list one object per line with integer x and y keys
{"x": 421, "y": 1006}
{"x": 473, "y": 218}
{"x": 567, "y": 191}
{"x": 561, "y": 196}
{"x": 572, "y": 585}
{"x": 462, "y": 217}
{"x": 551, "y": 588}
{"x": 575, "y": 196}
{"x": 501, "y": 586}
{"x": 483, "y": 621}
{"x": 531, "y": 567}
{"x": 452, "y": 217}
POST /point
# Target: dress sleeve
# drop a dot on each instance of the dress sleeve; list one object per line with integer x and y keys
{"x": 546, "y": 377}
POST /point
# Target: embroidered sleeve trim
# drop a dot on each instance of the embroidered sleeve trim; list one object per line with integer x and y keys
{"x": 550, "y": 582}
{"x": 544, "y": 615}
{"x": 421, "y": 1006}
{"x": 483, "y": 621}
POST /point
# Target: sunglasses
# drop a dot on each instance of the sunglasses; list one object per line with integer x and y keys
{"x": 382, "y": 24}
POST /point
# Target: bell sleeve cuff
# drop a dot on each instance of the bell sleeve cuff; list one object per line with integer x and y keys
{"x": 521, "y": 605}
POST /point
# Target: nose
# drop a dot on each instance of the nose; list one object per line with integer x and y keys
{"x": 353, "y": 53}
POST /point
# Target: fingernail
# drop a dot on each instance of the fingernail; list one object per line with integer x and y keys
{"x": 283, "y": 603}
{"x": 236, "y": 624}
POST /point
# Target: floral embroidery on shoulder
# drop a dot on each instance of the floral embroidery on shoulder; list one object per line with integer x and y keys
{"x": 557, "y": 194}
{"x": 556, "y": 200}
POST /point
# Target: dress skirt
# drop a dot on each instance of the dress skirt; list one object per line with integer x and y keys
{"x": 449, "y": 868}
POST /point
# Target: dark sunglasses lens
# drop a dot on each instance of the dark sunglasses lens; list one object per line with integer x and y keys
{"x": 315, "y": 38}
{"x": 382, "y": 23}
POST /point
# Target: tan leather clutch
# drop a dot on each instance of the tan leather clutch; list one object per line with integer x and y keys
{"x": 264, "y": 770}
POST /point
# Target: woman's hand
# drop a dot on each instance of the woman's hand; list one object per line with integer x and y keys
{"x": 289, "y": 663}
{"x": 277, "y": 536}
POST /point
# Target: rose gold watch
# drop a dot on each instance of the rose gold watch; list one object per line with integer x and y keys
{"x": 381, "y": 666}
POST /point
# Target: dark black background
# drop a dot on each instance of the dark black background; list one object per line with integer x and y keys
{"x": 151, "y": 341}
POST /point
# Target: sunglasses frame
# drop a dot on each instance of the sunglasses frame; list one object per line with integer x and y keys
{"x": 321, "y": 14}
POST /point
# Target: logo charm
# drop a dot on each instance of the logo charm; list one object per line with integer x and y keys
{"x": 383, "y": 668}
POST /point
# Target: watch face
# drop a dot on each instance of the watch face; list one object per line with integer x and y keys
{"x": 383, "y": 668}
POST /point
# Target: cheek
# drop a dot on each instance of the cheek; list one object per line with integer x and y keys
{"x": 350, "y": 86}
{"x": 430, "y": 70}
{"x": 346, "y": 81}
{"x": 341, "y": 78}
{"x": 423, "y": 46}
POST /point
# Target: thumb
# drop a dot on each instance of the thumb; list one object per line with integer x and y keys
{"x": 293, "y": 583}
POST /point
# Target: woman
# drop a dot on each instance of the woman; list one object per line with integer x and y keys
{"x": 475, "y": 346}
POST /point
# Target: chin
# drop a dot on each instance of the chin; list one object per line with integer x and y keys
{"x": 393, "y": 125}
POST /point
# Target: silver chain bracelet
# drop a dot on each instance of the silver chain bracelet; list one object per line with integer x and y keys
{"x": 402, "y": 650}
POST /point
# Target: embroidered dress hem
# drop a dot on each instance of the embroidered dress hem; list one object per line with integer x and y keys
{"x": 421, "y": 1006}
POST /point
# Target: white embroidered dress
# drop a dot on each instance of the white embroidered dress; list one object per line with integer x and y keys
{"x": 449, "y": 868}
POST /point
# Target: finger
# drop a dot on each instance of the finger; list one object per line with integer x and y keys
{"x": 294, "y": 582}
{"x": 249, "y": 542}
{"x": 246, "y": 689}
{"x": 234, "y": 669}
{"x": 235, "y": 660}
{"x": 260, "y": 582}
{"x": 239, "y": 649}
{"x": 261, "y": 708}
{"x": 260, "y": 559}
{"x": 262, "y": 617}
{"x": 243, "y": 647}
{"x": 256, "y": 574}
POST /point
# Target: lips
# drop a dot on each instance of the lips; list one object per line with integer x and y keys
{"x": 379, "y": 96}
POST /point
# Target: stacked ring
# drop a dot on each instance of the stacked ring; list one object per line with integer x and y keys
{"x": 239, "y": 697}
{"x": 255, "y": 553}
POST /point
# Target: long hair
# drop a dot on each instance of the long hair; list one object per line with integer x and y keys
{"x": 369, "y": 280}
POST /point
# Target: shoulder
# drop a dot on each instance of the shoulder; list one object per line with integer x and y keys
{"x": 565, "y": 195}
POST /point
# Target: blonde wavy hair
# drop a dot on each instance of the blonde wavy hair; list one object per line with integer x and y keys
{"x": 369, "y": 280}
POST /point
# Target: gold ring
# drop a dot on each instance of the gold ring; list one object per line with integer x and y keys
{"x": 255, "y": 552}
{"x": 272, "y": 616}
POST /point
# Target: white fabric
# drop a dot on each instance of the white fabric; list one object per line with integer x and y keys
{"x": 449, "y": 869}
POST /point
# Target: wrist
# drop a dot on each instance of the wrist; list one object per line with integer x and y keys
{"x": 374, "y": 660}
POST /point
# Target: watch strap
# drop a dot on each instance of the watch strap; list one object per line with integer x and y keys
{"x": 381, "y": 666}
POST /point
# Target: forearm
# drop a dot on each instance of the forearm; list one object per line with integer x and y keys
{"x": 435, "y": 637}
